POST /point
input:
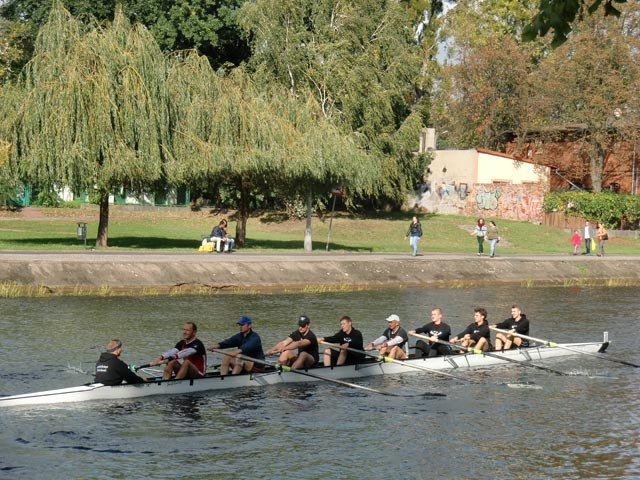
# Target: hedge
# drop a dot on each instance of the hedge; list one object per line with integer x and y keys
{"x": 613, "y": 210}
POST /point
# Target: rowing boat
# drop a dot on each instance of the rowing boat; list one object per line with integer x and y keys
{"x": 98, "y": 391}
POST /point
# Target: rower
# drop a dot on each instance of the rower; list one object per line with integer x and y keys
{"x": 304, "y": 340}
{"x": 437, "y": 330}
{"x": 477, "y": 334}
{"x": 392, "y": 340}
{"x": 517, "y": 323}
{"x": 247, "y": 342}
{"x": 347, "y": 337}
{"x": 110, "y": 370}
{"x": 190, "y": 351}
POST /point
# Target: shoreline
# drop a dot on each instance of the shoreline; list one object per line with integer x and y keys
{"x": 37, "y": 273}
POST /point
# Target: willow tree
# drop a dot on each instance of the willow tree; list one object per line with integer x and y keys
{"x": 92, "y": 114}
{"x": 229, "y": 131}
{"x": 360, "y": 63}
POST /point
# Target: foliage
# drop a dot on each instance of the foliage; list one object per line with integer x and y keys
{"x": 47, "y": 198}
{"x": 558, "y": 15}
{"x": 206, "y": 25}
{"x": 232, "y": 133}
{"x": 480, "y": 99}
{"x": 14, "y": 41}
{"x": 357, "y": 60}
{"x": 91, "y": 109}
{"x": 591, "y": 84}
{"x": 614, "y": 210}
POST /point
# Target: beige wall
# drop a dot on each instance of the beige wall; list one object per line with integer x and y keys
{"x": 493, "y": 168}
{"x": 459, "y": 165}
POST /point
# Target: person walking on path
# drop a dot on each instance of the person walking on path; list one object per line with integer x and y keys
{"x": 493, "y": 235}
{"x": 575, "y": 241}
{"x": 414, "y": 233}
{"x": 480, "y": 231}
{"x": 602, "y": 236}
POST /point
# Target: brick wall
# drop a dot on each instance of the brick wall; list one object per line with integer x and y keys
{"x": 512, "y": 202}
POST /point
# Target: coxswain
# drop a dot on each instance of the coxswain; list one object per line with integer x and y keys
{"x": 110, "y": 370}
{"x": 188, "y": 359}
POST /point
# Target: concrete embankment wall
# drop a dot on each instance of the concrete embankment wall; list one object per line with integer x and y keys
{"x": 98, "y": 273}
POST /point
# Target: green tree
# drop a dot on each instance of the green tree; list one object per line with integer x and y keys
{"x": 232, "y": 132}
{"x": 559, "y": 16}
{"x": 206, "y": 25}
{"x": 91, "y": 110}
{"x": 358, "y": 60}
{"x": 480, "y": 99}
{"x": 590, "y": 84}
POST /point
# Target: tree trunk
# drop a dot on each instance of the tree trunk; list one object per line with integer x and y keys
{"x": 596, "y": 162}
{"x": 103, "y": 225}
{"x": 241, "y": 226}
{"x": 308, "y": 244}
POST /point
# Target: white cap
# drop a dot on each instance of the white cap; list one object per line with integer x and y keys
{"x": 393, "y": 317}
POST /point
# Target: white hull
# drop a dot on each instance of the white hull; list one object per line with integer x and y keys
{"x": 97, "y": 391}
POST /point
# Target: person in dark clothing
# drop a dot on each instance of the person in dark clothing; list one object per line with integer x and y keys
{"x": 476, "y": 335}
{"x": 110, "y": 370}
{"x": 248, "y": 343}
{"x": 414, "y": 233}
{"x": 302, "y": 339}
{"x": 438, "y": 330}
{"x": 518, "y": 323}
{"x": 346, "y": 337}
{"x": 220, "y": 231}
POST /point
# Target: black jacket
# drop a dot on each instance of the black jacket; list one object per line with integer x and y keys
{"x": 110, "y": 370}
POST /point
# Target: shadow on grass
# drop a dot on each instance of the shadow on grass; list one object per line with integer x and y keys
{"x": 158, "y": 243}
{"x": 280, "y": 217}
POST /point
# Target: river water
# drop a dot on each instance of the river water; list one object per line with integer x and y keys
{"x": 517, "y": 423}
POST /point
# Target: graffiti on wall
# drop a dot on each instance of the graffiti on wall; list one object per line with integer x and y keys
{"x": 487, "y": 200}
{"x": 515, "y": 202}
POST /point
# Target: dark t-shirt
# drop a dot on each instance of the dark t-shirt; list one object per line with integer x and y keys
{"x": 442, "y": 331}
{"x": 354, "y": 339}
{"x": 312, "y": 348}
{"x": 522, "y": 326}
{"x": 477, "y": 332}
{"x": 199, "y": 358}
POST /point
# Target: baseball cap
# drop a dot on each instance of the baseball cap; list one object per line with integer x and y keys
{"x": 393, "y": 317}
{"x": 303, "y": 321}
{"x": 244, "y": 321}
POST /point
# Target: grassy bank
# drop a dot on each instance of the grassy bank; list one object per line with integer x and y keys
{"x": 180, "y": 230}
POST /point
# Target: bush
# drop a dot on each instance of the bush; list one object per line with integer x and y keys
{"x": 47, "y": 198}
{"x": 612, "y": 209}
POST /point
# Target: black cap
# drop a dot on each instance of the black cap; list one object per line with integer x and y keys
{"x": 303, "y": 321}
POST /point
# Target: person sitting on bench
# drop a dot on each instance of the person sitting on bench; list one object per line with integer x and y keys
{"x": 220, "y": 236}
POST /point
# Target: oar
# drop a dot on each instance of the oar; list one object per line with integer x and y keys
{"x": 549, "y": 343}
{"x": 386, "y": 359}
{"x": 285, "y": 368}
{"x": 135, "y": 368}
{"x": 489, "y": 354}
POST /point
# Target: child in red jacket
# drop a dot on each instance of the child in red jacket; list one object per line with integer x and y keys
{"x": 575, "y": 241}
